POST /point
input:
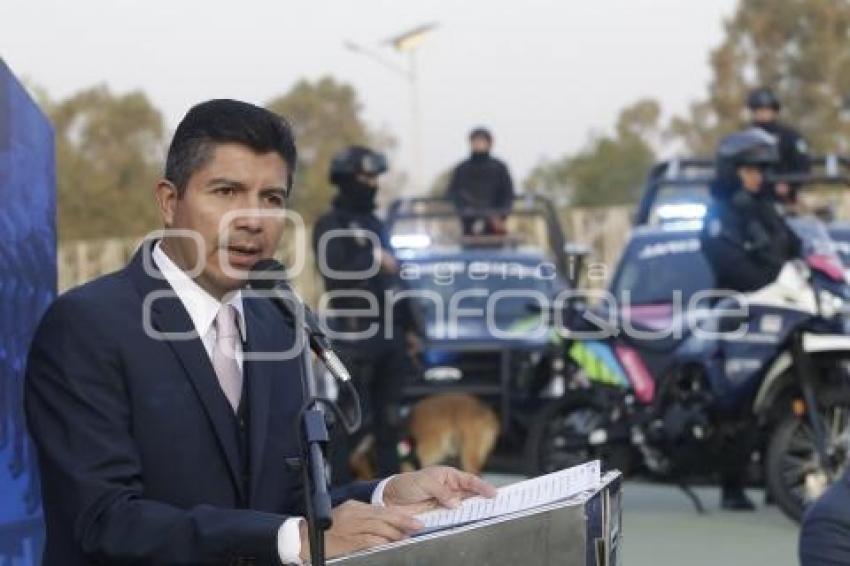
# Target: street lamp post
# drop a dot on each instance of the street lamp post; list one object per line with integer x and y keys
{"x": 416, "y": 123}
{"x": 407, "y": 42}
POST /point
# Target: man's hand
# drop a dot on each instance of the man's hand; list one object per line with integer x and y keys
{"x": 414, "y": 343}
{"x": 387, "y": 261}
{"x": 498, "y": 225}
{"x": 435, "y": 486}
{"x": 357, "y": 526}
{"x": 782, "y": 190}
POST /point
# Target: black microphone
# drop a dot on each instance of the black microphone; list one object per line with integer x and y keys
{"x": 269, "y": 275}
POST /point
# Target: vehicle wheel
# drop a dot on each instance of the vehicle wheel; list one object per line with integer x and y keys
{"x": 558, "y": 436}
{"x": 794, "y": 477}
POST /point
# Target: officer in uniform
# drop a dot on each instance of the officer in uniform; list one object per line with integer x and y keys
{"x": 481, "y": 182}
{"x": 746, "y": 241}
{"x": 353, "y": 253}
{"x": 764, "y": 107}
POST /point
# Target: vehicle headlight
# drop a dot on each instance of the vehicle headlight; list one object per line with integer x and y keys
{"x": 831, "y": 304}
{"x": 443, "y": 373}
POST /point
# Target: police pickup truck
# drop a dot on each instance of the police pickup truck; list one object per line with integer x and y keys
{"x": 478, "y": 300}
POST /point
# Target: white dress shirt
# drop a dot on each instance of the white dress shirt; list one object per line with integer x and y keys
{"x": 203, "y": 308}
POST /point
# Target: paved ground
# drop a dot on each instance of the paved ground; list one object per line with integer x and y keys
{"x": 661, "y": 528}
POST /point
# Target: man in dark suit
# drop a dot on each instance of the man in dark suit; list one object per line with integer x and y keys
{"x": 165, "y": 433}
{"x": 825, "y": 536}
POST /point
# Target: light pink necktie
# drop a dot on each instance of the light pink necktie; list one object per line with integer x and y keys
{"x": 224, "y": 355}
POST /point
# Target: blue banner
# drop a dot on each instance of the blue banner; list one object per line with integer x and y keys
{"x": 27, "y": 286}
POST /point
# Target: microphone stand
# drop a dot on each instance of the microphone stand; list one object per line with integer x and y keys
{"x": 313, "y": 430}
{"x": 314, "y": 437}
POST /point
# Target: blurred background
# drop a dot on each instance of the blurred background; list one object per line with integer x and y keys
{"x": 582, "y": 99}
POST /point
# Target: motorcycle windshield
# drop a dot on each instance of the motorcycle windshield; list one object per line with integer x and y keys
{"x": 819, "y": 248}
{"x": 814, "y": 236}
{"x": 840, "y": 234}
{"x": 662, "y": 271}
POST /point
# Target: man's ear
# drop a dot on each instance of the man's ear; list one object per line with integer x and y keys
{"x": 166, "y": 200}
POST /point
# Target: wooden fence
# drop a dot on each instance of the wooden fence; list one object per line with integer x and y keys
{"x": 603, "y": 229}
{"x": 83, "y": 260}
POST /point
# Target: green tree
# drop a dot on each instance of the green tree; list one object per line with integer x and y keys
{"x": 326, "y": 117}
{"x": 551, "y": 178}
{"x": 109, "y": 154}
{"x": 440, "y": 184}
{"x": 797, "y": 47}
{"x": 609, "y": 169}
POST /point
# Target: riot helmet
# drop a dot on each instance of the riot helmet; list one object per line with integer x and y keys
{"x": 752, "y": 147}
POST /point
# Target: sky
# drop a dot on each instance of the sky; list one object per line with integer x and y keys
{"x": 543, "y": 75}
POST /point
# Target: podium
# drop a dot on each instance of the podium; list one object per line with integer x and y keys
{"x": 584, "y": 530}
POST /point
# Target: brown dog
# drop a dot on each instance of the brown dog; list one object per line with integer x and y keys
{"x": 441, "y": 427}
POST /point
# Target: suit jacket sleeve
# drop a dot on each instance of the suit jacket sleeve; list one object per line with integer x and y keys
{"x": 79, "y": 416}
{"x": 825, "y": 534}
{"x": 359, "y": 491}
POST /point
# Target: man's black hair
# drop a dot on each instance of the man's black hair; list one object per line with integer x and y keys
{"x": 226, "y": 121}
{"x": 481, "y": 132}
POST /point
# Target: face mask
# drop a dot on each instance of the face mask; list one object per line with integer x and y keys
{"x": 367, "y": 191}
{"x": 356, "y": 195}
{"x": 769, "y": 127}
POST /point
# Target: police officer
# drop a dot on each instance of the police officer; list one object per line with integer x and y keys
{"x": 744, "y": 238}
{"x": 353, "y": 253}
{"x": 746, "y": 242}
{"x": 793, "y": 150}
{"x": 481, "y": 182}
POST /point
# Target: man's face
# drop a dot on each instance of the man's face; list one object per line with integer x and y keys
{"x": 751, "y": 178}
{"x": 480, "y": 144}
{"x": 234, "y": 179}
{"x": 764, "y": 115}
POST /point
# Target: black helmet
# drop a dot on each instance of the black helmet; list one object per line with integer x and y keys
{"x": 753, "y": 147}
{"x": 356, "y": 160}
{"x": 763, "y": 97}
{"x": 481, "y": 132}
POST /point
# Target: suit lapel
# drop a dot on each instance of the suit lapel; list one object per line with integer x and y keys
{"x": 267, "y": 334}
{"x": 259, "y": 375}
{"x": 168, "y": 315}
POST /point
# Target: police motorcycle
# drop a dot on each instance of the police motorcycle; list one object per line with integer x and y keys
{"x": 669, "y": 395}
